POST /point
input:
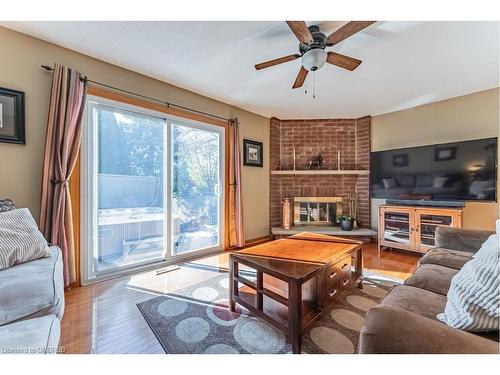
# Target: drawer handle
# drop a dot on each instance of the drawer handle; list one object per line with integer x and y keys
{"x": 333, "y": 274}
{"x": 345, "y": 282}
{"x": 332, "y": 293}
{"x": 345, "y": 265}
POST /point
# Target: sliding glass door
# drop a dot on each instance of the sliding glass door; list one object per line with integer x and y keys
{"x": 153, "y": 188}
{"x": 196, "y": 188}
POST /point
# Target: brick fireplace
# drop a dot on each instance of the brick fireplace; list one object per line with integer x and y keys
{"x": 309, "y": 138}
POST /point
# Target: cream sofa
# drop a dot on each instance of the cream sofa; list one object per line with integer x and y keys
{"x": 31, "y": 305}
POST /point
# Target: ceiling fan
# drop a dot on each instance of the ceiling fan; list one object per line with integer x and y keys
{"x": 312, "y": 48}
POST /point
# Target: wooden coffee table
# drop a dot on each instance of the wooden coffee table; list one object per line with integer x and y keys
{"x": 297, "y": 278}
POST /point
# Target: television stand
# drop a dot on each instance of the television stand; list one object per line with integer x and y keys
{"x": 413, "y": 228}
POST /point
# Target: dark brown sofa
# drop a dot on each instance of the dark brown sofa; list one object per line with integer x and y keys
{"x": 405, "y": 320}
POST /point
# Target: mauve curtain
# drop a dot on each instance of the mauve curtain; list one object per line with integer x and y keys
{"x": 236, "y": 231}
{"x": 62, "y": 144}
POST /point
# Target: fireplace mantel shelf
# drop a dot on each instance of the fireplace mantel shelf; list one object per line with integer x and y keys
{"x": 321, "y": 171}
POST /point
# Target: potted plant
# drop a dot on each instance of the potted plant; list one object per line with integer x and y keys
{"x": 345, "y": 222}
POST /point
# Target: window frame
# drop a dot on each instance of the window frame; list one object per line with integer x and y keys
{"x": 87, "y": 201}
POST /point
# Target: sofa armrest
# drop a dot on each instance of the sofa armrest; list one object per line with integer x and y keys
{"x": 469, "y": 240}
{"x": 392, "y": 330}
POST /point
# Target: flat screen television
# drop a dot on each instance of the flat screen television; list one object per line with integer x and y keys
{"x": 459, "y": 171}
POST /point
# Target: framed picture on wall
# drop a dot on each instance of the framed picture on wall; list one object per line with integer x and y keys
{"x": 444, "y": 153}
{"x": 253, "y": 152}
{"x": 400, "y": 160}
{"x": 12, "y": 116}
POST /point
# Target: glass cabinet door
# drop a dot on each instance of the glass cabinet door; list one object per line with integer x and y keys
{"x": 397, "y": 227}
{"x": 427, "y": 225}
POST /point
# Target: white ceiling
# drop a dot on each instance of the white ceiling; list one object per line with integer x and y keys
{"x": 405, "y": 64}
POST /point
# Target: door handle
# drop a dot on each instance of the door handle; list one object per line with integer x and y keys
{"x": 345, "y": 282}
{"x": 332, "y": 293}
{"x": 333, "y": 274}
{"x": 217, "y": 189}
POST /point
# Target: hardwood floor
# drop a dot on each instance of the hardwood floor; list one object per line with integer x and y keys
{"x": 103, "y": 317}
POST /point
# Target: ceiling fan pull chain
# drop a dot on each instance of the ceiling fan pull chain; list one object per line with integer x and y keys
{"x": 314, "y": 84}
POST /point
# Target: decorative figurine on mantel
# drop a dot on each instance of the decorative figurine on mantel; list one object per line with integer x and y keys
{"x": 317, "y": 162}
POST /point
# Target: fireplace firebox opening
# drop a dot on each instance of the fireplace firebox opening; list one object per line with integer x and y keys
{"x": 316, "y": 210}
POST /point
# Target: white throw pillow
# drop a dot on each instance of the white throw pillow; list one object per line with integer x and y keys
{"x": 439, "y": 181}
{"x": 480, "y": 188}
{"x": 20, "y": 239}
{"x": 474, "y": 296}
{"x": 389, "y": 183}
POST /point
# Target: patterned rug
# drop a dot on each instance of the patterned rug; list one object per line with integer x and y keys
{"x": 197, "y": 320}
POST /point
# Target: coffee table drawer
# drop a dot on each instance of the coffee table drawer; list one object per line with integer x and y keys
{"x": 338, "y": 288}
{"x": 337, "y": 271}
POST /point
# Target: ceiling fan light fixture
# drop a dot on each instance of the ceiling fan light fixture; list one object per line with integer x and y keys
{"x": 314, "y": 59}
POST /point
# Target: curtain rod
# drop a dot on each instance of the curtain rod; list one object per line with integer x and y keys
{"x": 48, "y": 68}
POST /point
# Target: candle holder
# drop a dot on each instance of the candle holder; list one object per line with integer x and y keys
{"x": 286, "y": 213}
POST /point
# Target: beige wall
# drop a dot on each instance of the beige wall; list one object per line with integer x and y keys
{"x": 466, "y": 117}
{"x": 20, "y": 166}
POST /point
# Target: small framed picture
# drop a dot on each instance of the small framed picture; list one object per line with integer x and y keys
{"x": 12, "y": 116}
{"x": 400, "y": 160}
{"x": 253, "y": 153}
{"x": 444, "y": 153}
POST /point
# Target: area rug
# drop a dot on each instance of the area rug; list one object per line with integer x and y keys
{"x": 197, "y": 320}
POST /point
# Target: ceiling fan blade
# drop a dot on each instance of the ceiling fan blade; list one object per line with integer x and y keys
{"x": 299, "y": 28}
{"x": 277, "y": 61}
{"x": 346, "y": 62}
{"x": 301, "y": 77}
{"x": 346, "y": 31}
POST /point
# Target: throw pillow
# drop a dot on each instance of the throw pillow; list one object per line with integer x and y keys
{"x": 20, "y": 239}
{"x": 480, "y": 188}
{"x": 6, "y": 205}
{"x": 439, "y": 181}
{"x": 473, "y": 302}
{"x": 389, "y": 183}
